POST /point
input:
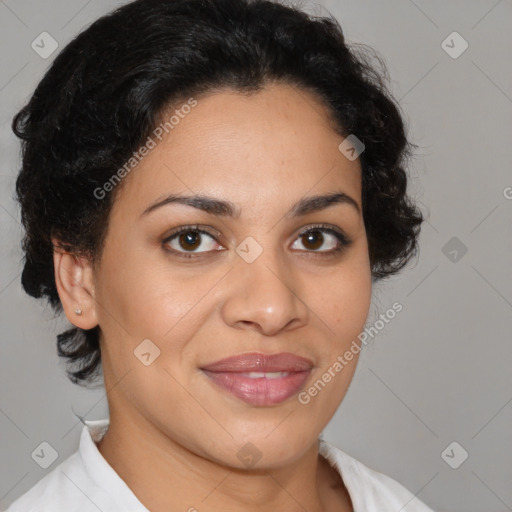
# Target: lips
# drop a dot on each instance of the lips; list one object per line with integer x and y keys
{"x": 256, "y": 362}
{"x": 260, "y": 379}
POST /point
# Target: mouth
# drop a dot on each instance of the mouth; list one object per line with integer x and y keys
{"x": 260, "y": 379}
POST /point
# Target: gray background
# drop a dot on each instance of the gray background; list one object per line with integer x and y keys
{"x": 440, "y": 370}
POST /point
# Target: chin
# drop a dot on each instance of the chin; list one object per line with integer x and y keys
{"x": 266, "y": 448}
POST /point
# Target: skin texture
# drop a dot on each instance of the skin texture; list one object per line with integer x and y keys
{"x": 174, "y": 436}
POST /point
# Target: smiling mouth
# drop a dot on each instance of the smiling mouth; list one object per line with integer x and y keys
{"x": 267, "y": 375}
{"x": 258, "y": 388}
{"x": 260, "y": 379}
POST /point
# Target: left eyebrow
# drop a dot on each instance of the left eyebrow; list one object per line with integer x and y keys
{"x": 220, "y": 207}
{"x": 317, "y": 203}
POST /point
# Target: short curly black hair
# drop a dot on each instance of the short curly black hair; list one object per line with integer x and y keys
{"x": 108, "y": 88}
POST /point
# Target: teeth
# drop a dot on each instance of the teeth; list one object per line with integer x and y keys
{"x": 268, "y": 375}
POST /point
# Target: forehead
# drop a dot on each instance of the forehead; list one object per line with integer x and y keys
{"x": 271, "y": 147}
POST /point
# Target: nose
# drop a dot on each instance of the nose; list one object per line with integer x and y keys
{"x": 264, "y": 296}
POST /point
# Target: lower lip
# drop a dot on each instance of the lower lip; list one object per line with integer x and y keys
{"x": 260, "y": 391}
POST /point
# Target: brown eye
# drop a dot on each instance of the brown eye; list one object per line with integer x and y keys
{"x": 188, "y": 240}
{"x": 313, "y": 239}
{"x": 316, "y": 237}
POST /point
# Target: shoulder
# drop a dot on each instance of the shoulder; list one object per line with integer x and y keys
{"x": 84, "y": 482}
{"x": 370, "y": 490}
{"x": 49, "y": 492}
{"x": 66, "y": 488}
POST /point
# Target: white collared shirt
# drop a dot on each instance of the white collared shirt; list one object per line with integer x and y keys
{"x": 85, "y": 482}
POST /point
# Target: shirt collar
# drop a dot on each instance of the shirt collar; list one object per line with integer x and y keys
{"x": 348, "y": 470}
{"x": 101, "y": 472}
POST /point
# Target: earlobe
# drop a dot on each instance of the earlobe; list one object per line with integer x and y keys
{"x": 74, "y": 280}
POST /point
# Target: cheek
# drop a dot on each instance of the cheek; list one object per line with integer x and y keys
{"x": 144, "y": 298}
{"x": 344, "y": 316}
{"x": 344, "y": 299}
{"x": 349, "y": 308}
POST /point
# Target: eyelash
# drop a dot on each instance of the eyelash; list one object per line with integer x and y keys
{"x": 343, "y": 240}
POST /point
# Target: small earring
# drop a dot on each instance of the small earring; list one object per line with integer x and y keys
{"x": 78, "y": 311}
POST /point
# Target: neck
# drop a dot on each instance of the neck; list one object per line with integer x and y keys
{"x": 164, "y": 475}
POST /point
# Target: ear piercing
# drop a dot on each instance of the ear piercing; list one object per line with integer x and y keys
{"x": 78, "y": 311}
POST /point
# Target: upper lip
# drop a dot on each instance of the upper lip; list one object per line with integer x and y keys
{"x": 254, "y": 361}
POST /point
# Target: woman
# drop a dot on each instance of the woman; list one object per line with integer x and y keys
{"x": 209, "y": 190}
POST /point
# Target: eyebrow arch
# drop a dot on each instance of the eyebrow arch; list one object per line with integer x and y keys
{"x": 219, "y": 207}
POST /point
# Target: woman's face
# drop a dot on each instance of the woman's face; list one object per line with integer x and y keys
{"x": 247, "y": 283}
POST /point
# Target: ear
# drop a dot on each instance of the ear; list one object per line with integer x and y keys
{"x": 74, "y": 280}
